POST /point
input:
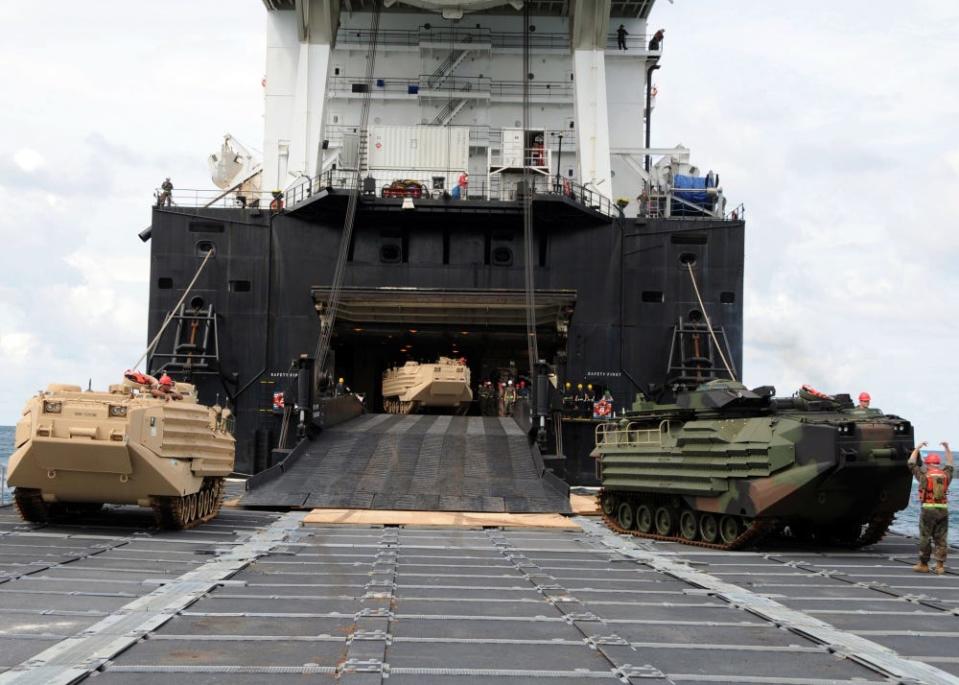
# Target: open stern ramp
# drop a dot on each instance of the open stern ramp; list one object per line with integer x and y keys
{"x": 414, "y": 462}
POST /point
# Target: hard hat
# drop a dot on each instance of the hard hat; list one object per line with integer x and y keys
{"x": 864, "y": 397}
{"x": 579, "y": 386}
{"x": 509, "y": 382}
{"x": 568, "y": 384}
{"x": 933, "y": 459}
{"x": 340, "y": 380}
{"x": 166, "y": 380}
{"x": 589, "y": 385}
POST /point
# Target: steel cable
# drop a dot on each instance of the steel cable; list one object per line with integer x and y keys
{"x": 328, "y": 321}
{"x": 530, "y": 281}
{"x": 709, "y": 325}
{"x": 172, "y": 312}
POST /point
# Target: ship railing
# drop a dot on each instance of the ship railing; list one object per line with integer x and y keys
{"x": 630, "y": 434}
{"x": 196, "y": 198}
{"x": 347, "y": 86}
{"x": 443, "y": 37}
{"x": 667, "y": 203}
{"x": 440, "y": 184}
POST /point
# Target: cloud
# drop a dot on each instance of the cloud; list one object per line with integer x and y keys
{"x": 106, "y": 120}
{"x": 28, "y": 160}
{"x": 837, "y": 136}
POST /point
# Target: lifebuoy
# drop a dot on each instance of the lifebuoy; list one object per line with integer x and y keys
{"x": 602, "y": 409}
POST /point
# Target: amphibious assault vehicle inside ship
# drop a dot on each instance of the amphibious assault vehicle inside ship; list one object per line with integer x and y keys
{"x": 444, "y": 384}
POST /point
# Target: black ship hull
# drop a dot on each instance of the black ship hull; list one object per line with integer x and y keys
{"x": 445, "y": 276}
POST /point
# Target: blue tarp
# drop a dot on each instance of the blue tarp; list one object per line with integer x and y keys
{"x": 697, "y": 189}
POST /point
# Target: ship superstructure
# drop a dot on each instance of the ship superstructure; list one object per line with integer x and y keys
{"x": 465, "y": 179}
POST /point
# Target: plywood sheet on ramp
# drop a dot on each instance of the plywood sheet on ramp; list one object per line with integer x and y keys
{"x": 445, "y": 519}
{"x": 418, "y": 462}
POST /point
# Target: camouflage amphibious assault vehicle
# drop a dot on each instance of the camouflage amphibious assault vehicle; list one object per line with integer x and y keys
{"x": 75, "y": 451}
{"x": 723, "y": 466}
{"x": 414, "y": 386}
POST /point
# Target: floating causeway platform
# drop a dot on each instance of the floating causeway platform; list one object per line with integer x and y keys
{"x": 418, "y": 462}
{"x": 257, "y": 597}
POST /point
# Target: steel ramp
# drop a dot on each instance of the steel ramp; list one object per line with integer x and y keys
{"x": 419, "y": 462}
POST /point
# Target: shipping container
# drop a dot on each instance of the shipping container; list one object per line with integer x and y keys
{"x": 412, "y": 148}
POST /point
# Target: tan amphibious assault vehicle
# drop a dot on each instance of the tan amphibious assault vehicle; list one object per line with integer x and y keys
{"x": 415, "y": 386}
{"x": 148, "y": 445}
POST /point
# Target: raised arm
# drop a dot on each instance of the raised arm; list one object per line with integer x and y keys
{"x": 915, "y": 453}
{"x": 945, "y": 446}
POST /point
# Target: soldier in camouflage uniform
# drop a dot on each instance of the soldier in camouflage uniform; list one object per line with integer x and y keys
{"x": 934, "y": 519}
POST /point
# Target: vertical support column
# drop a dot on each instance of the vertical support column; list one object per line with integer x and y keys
{"x": 299, "y": 45}
{"x": 588, "y": 42}
{"x": 309, "y": 109}
{"x": 282, "y": 54}
{"x": 592, "y": 120}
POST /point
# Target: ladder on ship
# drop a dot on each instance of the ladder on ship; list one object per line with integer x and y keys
{"x": 196, "y": 345}
{"x": 693, "y": 357}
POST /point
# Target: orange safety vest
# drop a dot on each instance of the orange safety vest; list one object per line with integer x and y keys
{"x": 933, "y": 488}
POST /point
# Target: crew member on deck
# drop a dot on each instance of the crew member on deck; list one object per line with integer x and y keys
{"x": 463, "y": 183}
{"x": 165, "y": 198}
{"x": 276, "y": 206}
{"x": 864, "y": 400}
{"x": 656, "y": 42}
{"x": 621, "y": 34}
{"x": 934, "y": 483}
{"x": 165, "y": 389}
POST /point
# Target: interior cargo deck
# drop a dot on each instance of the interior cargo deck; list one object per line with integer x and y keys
{"x": 423, "y": 462}
{"x": 256, "y": 596}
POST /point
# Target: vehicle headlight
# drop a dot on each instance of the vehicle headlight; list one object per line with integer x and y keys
{"x": 52, "y": 406}
{"x": 118, "y": 410}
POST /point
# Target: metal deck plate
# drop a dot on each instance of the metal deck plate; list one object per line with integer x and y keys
{"x": 459, "y": 606}
{"x": 416, "y": 462}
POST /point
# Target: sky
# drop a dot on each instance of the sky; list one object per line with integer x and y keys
{"x": 834, "y": 123}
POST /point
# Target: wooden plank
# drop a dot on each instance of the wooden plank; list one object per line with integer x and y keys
{"x": 584, "y": 505}
{"x": 455, "y": 519}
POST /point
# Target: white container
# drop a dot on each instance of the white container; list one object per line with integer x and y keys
{"x": 414, "y": 148}
{"x": 512, "y": 147}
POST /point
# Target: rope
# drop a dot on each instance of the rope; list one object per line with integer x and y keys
{"x": 709, "y": 325}
{"x": 326, "y": 332}
{"x": 172, "y": 312}
{"x": 532, "y": 346}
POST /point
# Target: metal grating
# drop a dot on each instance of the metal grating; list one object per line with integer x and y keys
{"x": 456, "y": 606}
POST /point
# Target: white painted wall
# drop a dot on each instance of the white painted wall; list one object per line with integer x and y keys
{"x": 601, "y": 91}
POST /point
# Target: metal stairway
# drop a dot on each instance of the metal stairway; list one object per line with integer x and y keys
{"x": 448, "y": 66}
{"x": 452, "y": 108}
{"x": 414, "y": 462}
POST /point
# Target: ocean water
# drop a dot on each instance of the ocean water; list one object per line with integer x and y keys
{"x": 6, "y": 449}
{"x": 907, "y": 520}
